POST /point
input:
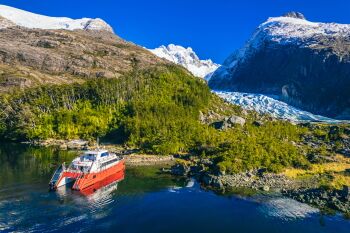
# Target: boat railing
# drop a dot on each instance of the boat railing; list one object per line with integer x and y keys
{"x": 77, "y": 181}
{"x": 57, "y": 174}
{"x": 76, "y": 168}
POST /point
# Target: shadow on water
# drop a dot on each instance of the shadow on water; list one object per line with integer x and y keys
{"x": 140, "y": 200}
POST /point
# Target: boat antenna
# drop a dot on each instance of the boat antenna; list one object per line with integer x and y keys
{"x": 98, "y": 143}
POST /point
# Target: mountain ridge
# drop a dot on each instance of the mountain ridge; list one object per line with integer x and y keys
{"x": 35, "y": 21}
{"x": 188, "y": 59}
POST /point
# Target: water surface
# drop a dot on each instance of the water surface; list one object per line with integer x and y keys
{"x": 144, "y": 201}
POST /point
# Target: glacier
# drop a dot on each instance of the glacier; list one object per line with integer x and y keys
{"x": 271, "y": 105}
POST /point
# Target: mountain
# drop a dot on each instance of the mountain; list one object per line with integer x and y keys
{"x": 30, "y": 20}
{"x": 305, "y": 64}
{"x": 33, "y": 56}
{"x": 188, "y": 59}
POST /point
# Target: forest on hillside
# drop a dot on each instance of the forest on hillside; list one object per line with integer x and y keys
{"x": 155, "y": 110}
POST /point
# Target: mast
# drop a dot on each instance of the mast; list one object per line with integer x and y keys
{"x": 98, "y": 144}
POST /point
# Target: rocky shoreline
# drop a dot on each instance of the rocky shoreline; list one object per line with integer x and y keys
{"x": 132, "y": 156}
{"x": 338, "y": 200}
{"x": 148, "y": 160}
{"x": 303, "y": 191}
{"x": 77, "y": 144}
{"x": 255, "y": 179}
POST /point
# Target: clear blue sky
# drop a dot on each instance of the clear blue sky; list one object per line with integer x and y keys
{"x": 214, "y": 28}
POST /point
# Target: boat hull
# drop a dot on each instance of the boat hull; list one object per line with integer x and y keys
{"x": 83, "y": 181}
{"x": 107, "y": 185}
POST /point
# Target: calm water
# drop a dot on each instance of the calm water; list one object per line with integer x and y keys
{"x": 144, "y": 201}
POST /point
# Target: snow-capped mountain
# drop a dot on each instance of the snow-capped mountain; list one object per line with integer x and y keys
{"x": 269, "y": 105}
{"x": 188, "y": 59}
{"x": 27, "y": 19}
{"x": 305, "y": 64}
{"x": 291, "y": 28}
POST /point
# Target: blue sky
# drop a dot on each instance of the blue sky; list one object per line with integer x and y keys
{"x": 214, "y": 28}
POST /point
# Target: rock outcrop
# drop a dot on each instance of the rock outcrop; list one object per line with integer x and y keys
{"x": 294, "y": 14}
{"x": 322, "y": 198}
{"x": 229, "y": 122}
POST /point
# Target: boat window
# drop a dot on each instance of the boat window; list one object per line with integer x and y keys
{"x": 109, "y": 162}
{"x": 90, "y": 157}
{"x": 104, "y": 154}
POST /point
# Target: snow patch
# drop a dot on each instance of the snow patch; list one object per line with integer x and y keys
{"x": 30, "y": 20}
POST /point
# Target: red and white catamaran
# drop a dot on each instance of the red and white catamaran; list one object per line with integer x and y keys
{"x": 88, "y": 169}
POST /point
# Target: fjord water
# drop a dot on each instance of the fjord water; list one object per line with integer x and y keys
{"x": 144, "y": 201}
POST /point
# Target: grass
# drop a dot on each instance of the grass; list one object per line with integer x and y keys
{"x": 340, "y": 180}
{"x": 317, "y": 169}
{"x": 330, "y": 174}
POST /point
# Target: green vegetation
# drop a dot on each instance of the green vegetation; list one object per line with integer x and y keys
{"x": 156, "y": 110}
{"x": 271, "y": 146}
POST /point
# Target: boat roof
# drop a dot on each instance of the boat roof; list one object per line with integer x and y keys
{"x": 95, "y": 152}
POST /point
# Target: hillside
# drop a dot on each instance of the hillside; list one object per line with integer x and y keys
{"x": 31, "y": 57}
{"x": 305, "y": 64}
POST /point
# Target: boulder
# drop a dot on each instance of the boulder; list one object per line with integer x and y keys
{"x": 77, "y": 144}
{"x": 207, "y": 179}
{"x": 236, "y": 120}
{"x": 229, "y": 122}
{"x": 258, "y": 123}
{"x": 346, "y": 193}
{"x": 46, "y": 43}
{"x": 217, "y": 183}
{"x": 180, "y": 170}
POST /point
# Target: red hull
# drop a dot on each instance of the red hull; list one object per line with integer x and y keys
{"x": 83, "y": 181}
{"x": 109, "y": 180}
